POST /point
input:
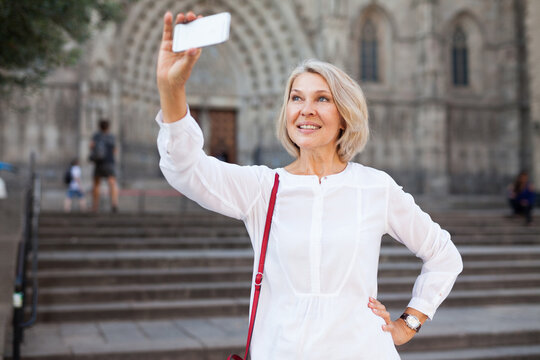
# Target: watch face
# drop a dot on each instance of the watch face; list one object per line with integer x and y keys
{"x": 412, "y": 322}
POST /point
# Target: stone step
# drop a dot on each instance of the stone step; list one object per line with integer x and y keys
{"x": 466, "y": 282}
{"x": 234, "y": 242}
{"x": 143, "y": 310}
{"x": 139, "y": 221}
{"x": 471, "y": 268}
{"x": 205, "y": 230}
{"x": 481, "y": 239}
{"x": 178, "y": 339}
{"x": 97, "y": 244}
{"x": 222, "y": 289}
{"x": 104, "y": 276}
{"x": 493, "y": 230}
{"x": 238, "y": 305}
{"x": 516, "y": 352}
{"x": 479, "y": 328}
{"x": 146, "y": 292}
{"x": 483, "y": 221}
{"x": 435, "y": 342}
{"x": 216, "y": 337}
{"x": 470, "y": 253}
{"x": 150, "y": 232}
{"x": 144, "y": 259}
{"x": 211, "y": 345}
{"x": 481, "y": 297}
{"x": 232, "y": 259}
{"x": 496, "y": 240}
{"x": 216, "y": 257}
{"x": 140, "y": 276}
{"x": 206, "y": 217}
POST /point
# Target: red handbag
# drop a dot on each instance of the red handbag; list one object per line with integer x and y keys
{"x": 259, "y": 276}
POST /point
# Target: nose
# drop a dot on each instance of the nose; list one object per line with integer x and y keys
{"x": 308, "y": 109}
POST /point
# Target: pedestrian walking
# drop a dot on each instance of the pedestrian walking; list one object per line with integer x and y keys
{"x": 319, "y": 285}
{"x": 72, "y": 179}
{"x": 102, "y": 154}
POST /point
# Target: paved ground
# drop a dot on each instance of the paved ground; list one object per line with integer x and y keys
{"x": 203, "y": 333}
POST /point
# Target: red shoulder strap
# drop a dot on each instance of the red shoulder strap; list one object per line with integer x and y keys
{"x": 262, "y": 257}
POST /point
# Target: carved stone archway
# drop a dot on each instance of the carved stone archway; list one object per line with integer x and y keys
{"x": 245, "y": 74}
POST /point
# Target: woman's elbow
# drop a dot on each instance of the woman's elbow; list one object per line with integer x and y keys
{"x": 458, "y": 261}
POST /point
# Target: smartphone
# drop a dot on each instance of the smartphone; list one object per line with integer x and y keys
{"x": 209, "y": 30}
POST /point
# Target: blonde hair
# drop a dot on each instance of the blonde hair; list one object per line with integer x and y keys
{"x": 350, "y": 102}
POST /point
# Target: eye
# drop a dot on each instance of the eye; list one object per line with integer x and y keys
{"x": 295, "y": 98}
{"x": 323, "y": 99}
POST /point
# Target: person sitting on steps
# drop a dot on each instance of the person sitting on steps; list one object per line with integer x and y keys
{"x": 521, "y": 196}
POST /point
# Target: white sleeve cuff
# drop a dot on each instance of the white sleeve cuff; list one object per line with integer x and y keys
{"x": 178, "y": 123}
{"x": 422, "y": 306}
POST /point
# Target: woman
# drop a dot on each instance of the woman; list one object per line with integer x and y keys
{"x": 318, "y": 298}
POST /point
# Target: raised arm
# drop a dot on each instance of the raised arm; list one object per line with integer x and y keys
{"x": 174, "y": 69}
{"x": 225, "y": 188}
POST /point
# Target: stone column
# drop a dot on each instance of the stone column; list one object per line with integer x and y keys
{"x": 533, "y": 46}
{"x": 431, "y": 125}
{"x": 522, "y": 83}
{"x": 115, "y": 93}
{"x": 333, "y": 32}
{"x": 85, "y": 123}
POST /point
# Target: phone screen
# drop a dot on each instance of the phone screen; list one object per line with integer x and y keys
{"x": 209, "y": 30}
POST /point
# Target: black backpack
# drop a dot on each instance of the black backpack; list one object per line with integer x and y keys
{"x": 68, "y": 177}
{"x": 99, "y": 151}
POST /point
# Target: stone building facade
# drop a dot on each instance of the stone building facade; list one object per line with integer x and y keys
{"x": 447, "y": 84}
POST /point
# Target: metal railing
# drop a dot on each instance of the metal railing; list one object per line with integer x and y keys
{"x": 27, "y": 245}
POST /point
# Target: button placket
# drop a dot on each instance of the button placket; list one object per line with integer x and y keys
{"x": 315, "y": 241}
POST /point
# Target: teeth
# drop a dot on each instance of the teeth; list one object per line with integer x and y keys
{"x": 309, "y": 127}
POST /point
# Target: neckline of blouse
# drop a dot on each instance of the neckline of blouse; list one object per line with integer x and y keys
{"x": 314, "y": 178}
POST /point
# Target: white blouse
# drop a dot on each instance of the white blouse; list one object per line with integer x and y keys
{"x": 323, "y": 251}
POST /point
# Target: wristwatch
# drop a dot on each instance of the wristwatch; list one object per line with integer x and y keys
{"x": 411, "y": 321}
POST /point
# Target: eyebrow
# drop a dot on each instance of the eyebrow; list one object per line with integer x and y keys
{"x": 316, "y": 91}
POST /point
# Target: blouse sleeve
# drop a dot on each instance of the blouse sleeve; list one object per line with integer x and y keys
{"x": 228, "y": 189}
{"x": 408, "y": 224}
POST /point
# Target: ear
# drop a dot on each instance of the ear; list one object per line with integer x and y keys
{"x": 342, "y": 125}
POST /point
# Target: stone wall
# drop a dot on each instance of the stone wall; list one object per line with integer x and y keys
{"x": 432, "y": 136}
{"x": 44, "y": 121}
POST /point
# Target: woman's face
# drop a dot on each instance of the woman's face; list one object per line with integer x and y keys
{"x": 313, "y": 120}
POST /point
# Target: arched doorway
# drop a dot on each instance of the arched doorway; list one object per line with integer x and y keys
{"x": 221, "y": 132}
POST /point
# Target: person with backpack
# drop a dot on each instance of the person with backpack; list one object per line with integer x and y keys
{"x": 72, "y": 179}
{"x": 102, "y": 154}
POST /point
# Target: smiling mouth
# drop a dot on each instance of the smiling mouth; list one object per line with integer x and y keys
{"x": 309, "y": 127}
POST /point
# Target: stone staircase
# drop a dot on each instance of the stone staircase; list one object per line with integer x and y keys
{"x": 174, "y": 284}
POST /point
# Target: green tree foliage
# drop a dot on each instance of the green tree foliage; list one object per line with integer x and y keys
{"x": 38, "y": 35}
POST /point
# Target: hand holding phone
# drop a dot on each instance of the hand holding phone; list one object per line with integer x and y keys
{"x": 209, "y": 30}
